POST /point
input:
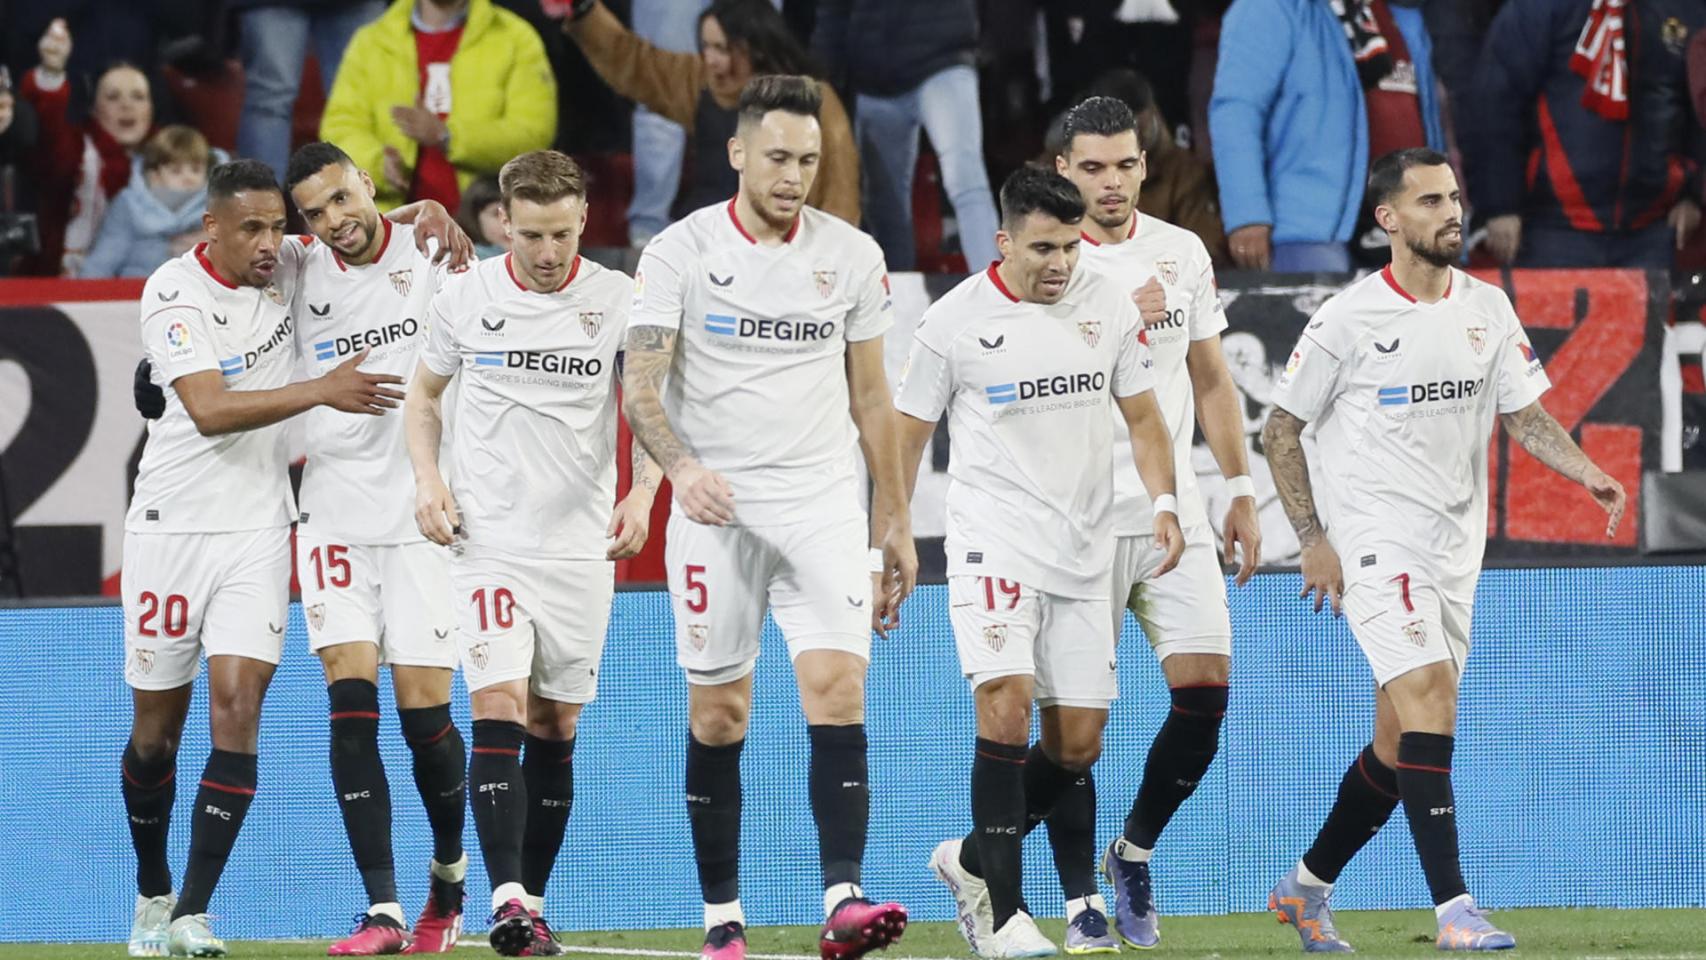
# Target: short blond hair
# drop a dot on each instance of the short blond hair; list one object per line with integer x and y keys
{"x": 175, "y": 144}
{"x": 541, "y": 176}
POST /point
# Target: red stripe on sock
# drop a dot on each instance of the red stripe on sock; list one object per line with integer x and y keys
{"x": 1426, "y": 769}
{"x": 1201, "y": 686}
{"x": 355, "y": 715}
{"x": 499, "y": 751}
{"x": 1377, "y": 787}
{"x": 1198, "y": 713}
{"x": 146, "y": 786}
{"x": 439, "y": 735}
{"x": 990, "y": 756}
{"x": 226, "y": 788}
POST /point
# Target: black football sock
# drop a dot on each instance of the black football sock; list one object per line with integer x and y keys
{"x": 713, "y": 813}
{"x": 441, "y": 775}
{"x": 548, "y": 766}
{"x": 498, "y": 795}
{"x": 1424, "y": 781}
{"x": 1045, "y": 781}
{"x": 227, "y": 788}
{"x": 358, "y": 777}
{"x": 1368, "y": 793}
{"x": 998, "y": 823}
{"x": 149, "y": 786}
{"x": 1183, "y": 749}
{"x": 1072, "y": 836}
{"x": 841, "y": 799}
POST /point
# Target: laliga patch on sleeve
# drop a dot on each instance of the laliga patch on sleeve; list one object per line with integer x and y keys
{"x": 179, "y": 345}
{"x": 639, "y": 290}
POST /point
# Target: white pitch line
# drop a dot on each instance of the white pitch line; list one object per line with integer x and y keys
{"x": 693, "y": 955}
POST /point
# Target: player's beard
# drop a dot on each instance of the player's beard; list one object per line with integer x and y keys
{"x": 1111, "y": 220}
{"x": 1440, "y": 250}
{"x": 365, "y": 231}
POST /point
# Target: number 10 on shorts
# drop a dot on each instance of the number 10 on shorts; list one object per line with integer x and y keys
{"x": 496, "y": 607}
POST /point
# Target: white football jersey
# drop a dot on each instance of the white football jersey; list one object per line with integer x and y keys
{"x": 1177, "y": 258}
{"x": 195, "y": 320}
{"x": 758, "y": 387}
{"x": 358, "y": 486}
{"x": 1402, "y": 396}
{"x": 1026, "y": 389}
{"x": 533, "y": 462}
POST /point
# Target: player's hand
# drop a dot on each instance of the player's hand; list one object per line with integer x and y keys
{"x": 353, "y": 391}
{"x": 1243, "y": 529}
{"x": 435, "y": 223}
{"x": 419, "y": 124}
{"x": 54, "y": 48}
{"x": 150, "y": 400}
{"x": 395, "y": 172}
{"x": 1322, "y": 575}
{"x": 1151, "y": 302}
{"x": 1504, "y": 237}
{"x": 1170, "y": 538}
{"x": 1684, "y": 218}
{"x": 435, "y": 512}
{"x": 1610, "y": 495}
{"x": 898, "y": 578}
{"x": 630, "y": 523}
{"x": 1252, "y": 246}
{"x": 703, "y": 494}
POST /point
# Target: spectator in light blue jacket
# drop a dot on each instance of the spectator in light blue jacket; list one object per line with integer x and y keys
{"x": 158, "y": 215}
{"x": 1291, "y": 122}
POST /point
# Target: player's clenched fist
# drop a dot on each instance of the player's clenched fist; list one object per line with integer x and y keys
{"x": 352, "y": 391}
{"x": 435, "y": 512}
{"x": 629, "y": 526}
{"x": 703, "y": 494}
{"x": 1151, "y": 301}
{"x": 1322, "y": 575}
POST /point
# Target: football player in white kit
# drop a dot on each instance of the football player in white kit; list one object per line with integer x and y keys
{"x": 207, "y": 537}
{"x": 767, "y": 317}
{"x": 1400, "y": 377}
{"x": 532, "y": 338}
{"x": 1183, "y": 614}
{"x": 1023, "y": 358}
{"x": 373, "y": 588}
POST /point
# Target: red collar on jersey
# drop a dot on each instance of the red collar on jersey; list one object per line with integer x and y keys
{"x": 735, "y": 217}
{"x": 1128, "y": 234}
{"x": 383, "y": 244}
{"x": 509, "y": 267}
{"x": 206, "y": 264}
{"x": 995, "y": 278}
{"x": 1391, "y": 281}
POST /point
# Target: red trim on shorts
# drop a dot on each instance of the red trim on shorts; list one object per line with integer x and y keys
{"x": 1423, "y": 767}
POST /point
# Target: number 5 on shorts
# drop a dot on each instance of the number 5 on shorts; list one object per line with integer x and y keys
{"x": 696, "y": 598}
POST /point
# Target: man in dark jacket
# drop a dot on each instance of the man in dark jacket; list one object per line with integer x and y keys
{"x": 1606, "y": 171}
{"x": 910, "y": 64}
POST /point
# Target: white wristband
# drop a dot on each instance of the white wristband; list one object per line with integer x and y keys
{"x": 1241, "y": 486}
{"x": 1167, "y": 503}
{"x": 876, "y": 560}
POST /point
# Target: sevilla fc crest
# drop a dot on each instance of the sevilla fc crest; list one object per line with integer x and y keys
{"x": 1416, "y": 631}
{"x": 697, "y": 634}
{"x": 274, "y": 294}
{"x": 316, "y": 615}
{"x": 143, "y": 660}
{"x": 591, "y": 320}
{"x": 402, "y": 281}
{"x": 995, "y": 637}
{"x": 1169, "y": 271}
{"x": 1091, "y": 331}
{"x": 825, "y": 280}
{"x": 478, "y": 655}
{"x": 1477, "y": 338}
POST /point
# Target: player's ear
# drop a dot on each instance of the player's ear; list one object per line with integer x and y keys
{"x": 737, "y": 155}
{"x": 1060, "y": 164}
{"x": 367, "y": 183}
{"x": 1142, "y": 164}
{"x": 210, "y": 225}
{"x": 1004, "y": 243}
{"x": 1386, "y": 217}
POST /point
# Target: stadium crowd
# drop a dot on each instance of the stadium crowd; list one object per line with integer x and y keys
{"x": 1574, "y": 125}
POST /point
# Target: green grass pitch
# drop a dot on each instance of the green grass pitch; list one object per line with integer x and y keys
{"x": 1574, "y": 933}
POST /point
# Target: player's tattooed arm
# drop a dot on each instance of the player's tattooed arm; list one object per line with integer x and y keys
{"x": 703, "y": 495}
{"x": 1547, "y": 441}
{"x": 1282, "y": 438}
{"x": 646, "y": 472}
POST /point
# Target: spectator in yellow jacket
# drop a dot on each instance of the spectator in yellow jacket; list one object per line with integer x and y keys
{"x": 438, "y": 92}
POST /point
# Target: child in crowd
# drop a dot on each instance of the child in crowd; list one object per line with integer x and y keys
{"x": 158, "y": 216}
{"x": 481, "y": 217}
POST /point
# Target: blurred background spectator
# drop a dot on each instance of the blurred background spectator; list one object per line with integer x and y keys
{"x": 738, "y": 39}
{"x": 912, "y": 65}
{"x": 481, "y": 217}
{"x": 437, "y": 92}
{"x": 158, "y": 215}
{"x": 276, "y": 37}
{"x": 659, "y": 142}
{"x": 1306, "y": 94}
{"x": 1586, "y": 152}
